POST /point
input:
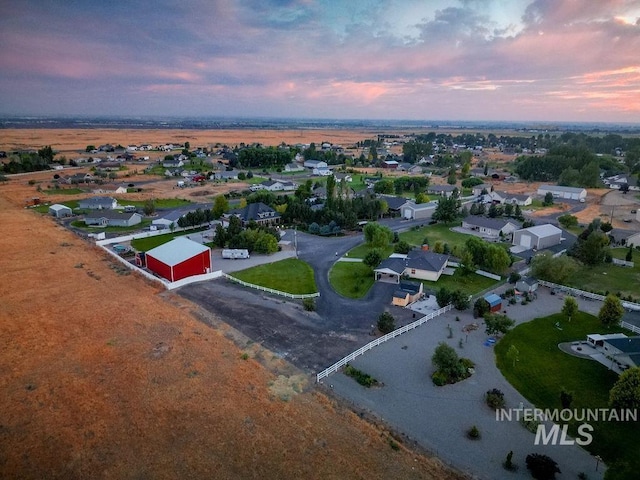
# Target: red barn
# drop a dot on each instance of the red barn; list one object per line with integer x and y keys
{"x": 179, "y": 258}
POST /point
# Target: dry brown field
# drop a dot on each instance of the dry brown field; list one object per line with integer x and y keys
{"x": 104, "y": 375}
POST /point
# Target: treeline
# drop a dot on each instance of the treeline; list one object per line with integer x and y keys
{"x": 400, "y": 185}
{"x": 259, "y": 157}
{"x": 567, "y": 165}
{"x": 255, "y": 238}
{"x": 29, "y": 162}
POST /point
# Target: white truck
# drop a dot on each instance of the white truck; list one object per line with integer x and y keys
{"x": 235, "y": 253}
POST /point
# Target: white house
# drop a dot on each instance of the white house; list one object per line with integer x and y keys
{"x": 537, "y": 237}
{"x": 293, "y": 167}
{"x": 275, "y": 186}
{"x": 322, "y": 171}
{"x": 490, "y": 227}
{"x": 567, "y": 193}
{"x": 419, "y": 264}
{"x": 313, "y": 164}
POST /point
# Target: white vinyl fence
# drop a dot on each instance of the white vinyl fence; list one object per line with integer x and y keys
{"x": 628, "y": 326}
{"x": 271, "y": 290}
{"x": 341, "y": 363}
{"x": 581, "y": 293}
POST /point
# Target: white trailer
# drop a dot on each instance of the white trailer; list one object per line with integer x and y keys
{"x": 235, "y": 253}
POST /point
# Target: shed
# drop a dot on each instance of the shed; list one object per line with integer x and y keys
{"x": 407, "y": 293}
{"x": 60, "y": 211}
{"x": 179, "y": 258}
{"x": 527, "y": 285}
{"x": 494, "y": 301}
{"x": 538, "y": 237}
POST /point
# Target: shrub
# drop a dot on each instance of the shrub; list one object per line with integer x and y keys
{"x": 480, "y": 308}
{"x": 508, "y": 463}
{"x": 530, "y": 424}
{"x": 514, "y": 277}
{"x": 541, "y": 466}
{"x": 439, "y": 379}
{"x": 309, "y": 304}
{"x": 359, "y": 376}
{"x": 473, "y": 433}
{"x": 494, "y": 399}
{"x": 386, "y": 322}
{"x": 565, "y": 398}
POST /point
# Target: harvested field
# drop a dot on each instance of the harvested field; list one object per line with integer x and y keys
{"x": 106, "y": 376}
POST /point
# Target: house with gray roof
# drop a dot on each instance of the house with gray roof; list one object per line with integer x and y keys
{"x": 112, "y": 218}
{"x": 419, "y": 264}
{"x": 537, "y": 237}
{"x": 257, "y": 212}
{"x": 98, "y": 203}
{"x": 490, "y": 227}
{"x": 619, "y": 236}
{"x": 444, "y": 190}
{"x": 625, "y": 352}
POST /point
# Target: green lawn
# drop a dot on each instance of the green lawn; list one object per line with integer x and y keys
{"x": 351, "y": 279}
{"x": 64, "y": 191}
{"x": 361, "y": 251}
{"x": 147, "y": 243}
{"x": 141, "y": 226}
{"x": 470, "y": 284}
{"x": 291, "y": 275}
{"x": 440, "y": 232}
{"x": 607, "y": 277}
{"x": 543, "y": 370}
{"x": 159, "y": 202}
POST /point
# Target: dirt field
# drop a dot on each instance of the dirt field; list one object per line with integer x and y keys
{"x": 105, "y": 376}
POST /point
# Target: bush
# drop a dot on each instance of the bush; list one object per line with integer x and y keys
{"x": 494, "y": 399}
{"x": 542, "y": 467}
{"x": 386, "y": 322}
{"x": 473, "y": 433}
{"x": 480, "y": 308}
{"x": 309, "y": 304}
{"x": 359, "y": 376}
{"x": 514, "y": 277}
{"x": 508, "y": 463}
{"x": 439, "y": 379}
{"x": 531, "y": 424}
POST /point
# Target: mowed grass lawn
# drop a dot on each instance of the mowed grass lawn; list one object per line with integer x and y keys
{"x": 543, "y": 370}
{"x": 290, "y": 275}
{"x": 469, "y": 284}
{"x": 147, "y": 243}
{"x": 608, "y": 277}
{"x": 158, "y": 202}
{"x": 140, "y": 226}
{"x": 351, "y": 279}
{"x": 435, "y": 233}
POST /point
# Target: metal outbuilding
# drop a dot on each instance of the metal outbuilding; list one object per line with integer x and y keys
{"x": 179, "y": 258}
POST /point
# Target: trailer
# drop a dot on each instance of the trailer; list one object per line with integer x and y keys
{"x": 235, "y": 253}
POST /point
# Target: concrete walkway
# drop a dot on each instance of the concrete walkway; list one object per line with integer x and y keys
{"x": 438, "y": 418}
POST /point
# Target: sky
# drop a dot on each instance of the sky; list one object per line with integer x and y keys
{"x": 472, "y": 60}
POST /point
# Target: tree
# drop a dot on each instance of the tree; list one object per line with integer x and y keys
{"x": 386, "y": 322}
{"x": 447, "y": 209}
{"x": 373, "y": 258}
{"x": 149, "y": 208}
{"x": 377, "y": 235}
{"x": 611, "y": 311}
{"x": 570, "y": 307}
{"x": 220, "y": 205}
{"x": 446, "y": 360}
{"x": 480, "y": 308}
{"x": 46, "y": 154}
{"x": 402, "y": 247}
{"x": 625, "y": 393}
{"x": 497, "y": 324}
{"x": 459, "y": 300}
{"x": 541, "y": 466}
{"x": 568, "y": 220}
{"x": 548, "y": 199}
{"x": 556, "y": 270}
{"x": 443, "y": 297}
{"x": 90, "y": 148}
{"x": 629, "y": 256}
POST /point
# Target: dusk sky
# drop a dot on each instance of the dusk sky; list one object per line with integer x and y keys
{"x": 540, "y": 60}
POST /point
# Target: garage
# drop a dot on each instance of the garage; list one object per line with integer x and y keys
{"x": 180, "y": 258}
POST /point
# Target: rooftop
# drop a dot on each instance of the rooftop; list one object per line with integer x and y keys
{"x": 177, "y": 251}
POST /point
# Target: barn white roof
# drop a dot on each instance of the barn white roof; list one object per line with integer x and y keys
{"x": 177, "y": 251}
{"x": 545, "y": 230}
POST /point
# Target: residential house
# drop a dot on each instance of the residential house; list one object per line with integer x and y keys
{"x": 173, "y": 163}
{"x": 390, "y": 164}
{"x": 567, "y": 193}
{"x": 77, "y": 178}
{"x": 394, "y": 203}
{"x": 490, "y": 227}
{"x": 112, "y": 218}
{"x": 415, "y": 170}
{"x": 478, "y": 189}
{"x": 275, "y": 186}
{"x": 257, "y": 212}
{"x": 322, "y": 171}
{"x": 517, "y": 199}
{"x": 293, "y": 167}
{"x": 98, "y": 203}
{"x": 619, "y": 236}
{"x": 313, "y": 164}
{"x": 407, "y": 293}
{"x": 226, "y": 175}
{"x": 537, "y": 237}
{"x": 420, "y": 264}
{"x": 444, "y": 190}
{"x": 343, "y": 177}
